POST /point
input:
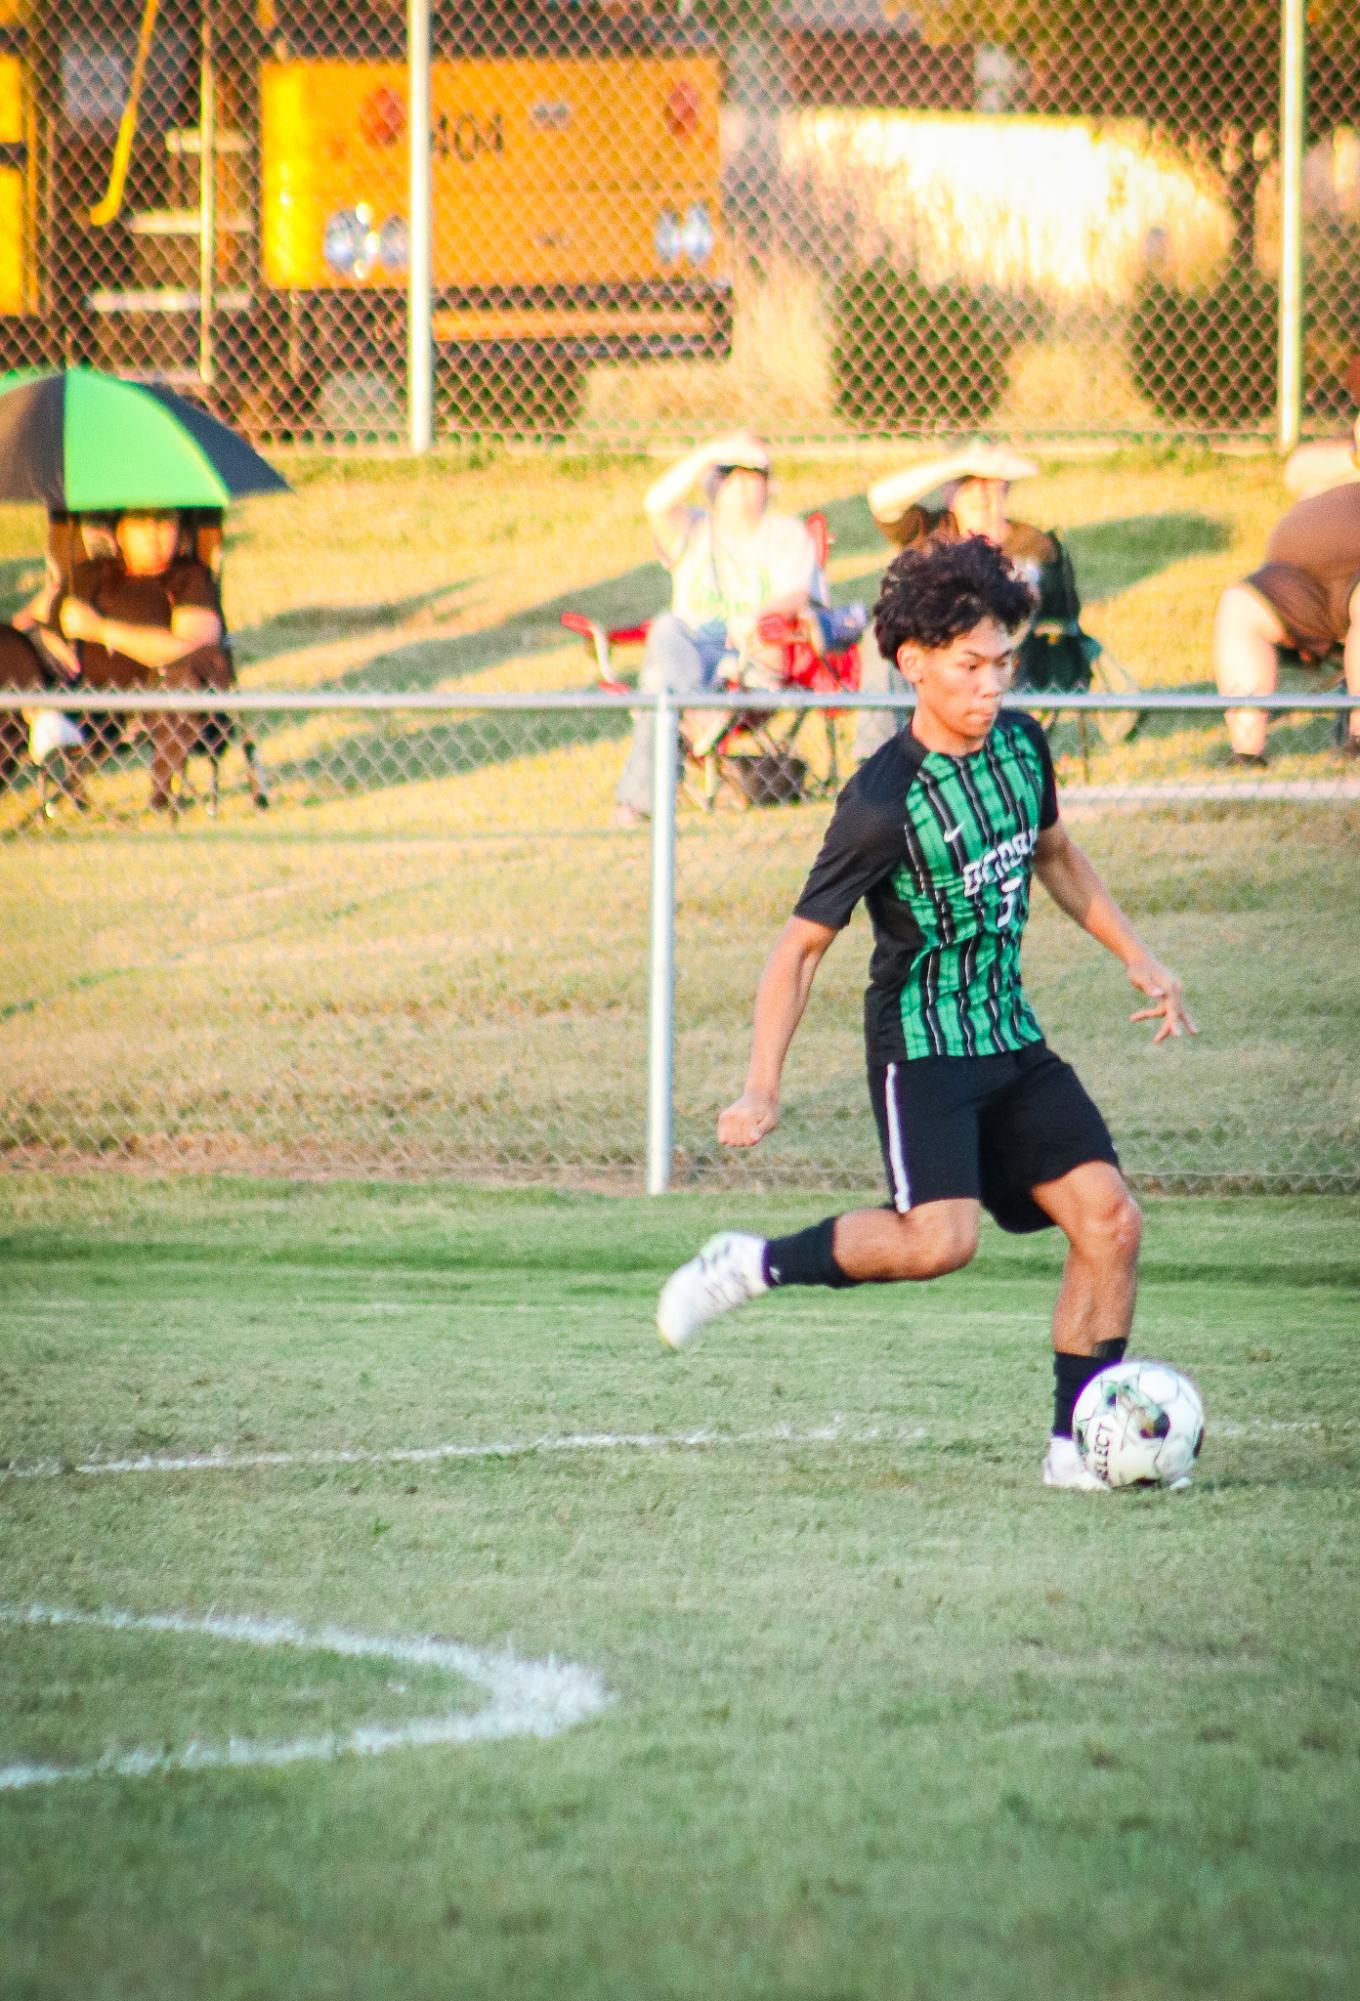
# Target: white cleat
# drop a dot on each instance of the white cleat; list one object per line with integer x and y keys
{"x": 1063, "y": 1468}
{"x": 729, "y": 1270}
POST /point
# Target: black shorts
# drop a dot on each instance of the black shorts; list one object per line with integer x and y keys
{"x": 1303, "y": 605}
{"x": 989, "y": 1127}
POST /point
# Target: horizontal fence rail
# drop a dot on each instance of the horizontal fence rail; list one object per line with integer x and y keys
{"x": 407, "y": 937}
{"x": 247, "y": 702}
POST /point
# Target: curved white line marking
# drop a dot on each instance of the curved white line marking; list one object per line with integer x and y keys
{"x": 528, "y": 1698}
{"x": 835, "y": 1433}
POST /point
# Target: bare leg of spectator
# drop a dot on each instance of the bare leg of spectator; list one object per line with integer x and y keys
{"x": 1351, "y": 726}
{"x": 679, "y": 658}
{"x": 1247, "y": 637}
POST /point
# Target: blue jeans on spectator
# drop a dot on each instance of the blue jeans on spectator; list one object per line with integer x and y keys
{"x": 684, "y": 658}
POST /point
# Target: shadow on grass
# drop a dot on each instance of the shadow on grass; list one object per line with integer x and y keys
{"x": 322, "y": 625}
{"x": 1112, "y": 556}
{"x": 380, "y": 758}
{"x": 631, "y": 596}
{"x": 379, "y": 761}
{"x": 1109, "y": 556}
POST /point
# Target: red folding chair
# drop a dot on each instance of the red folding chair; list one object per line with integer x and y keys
{"x": 751, "y": 752}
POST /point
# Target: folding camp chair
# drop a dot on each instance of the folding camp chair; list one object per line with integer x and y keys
{"x": 750, "y": 753}
{"x": 1057, "y": 655}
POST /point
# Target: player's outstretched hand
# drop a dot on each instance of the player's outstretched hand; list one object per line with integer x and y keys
{"x": 747, "y": 1121}
{"x": 1162, "y": 987}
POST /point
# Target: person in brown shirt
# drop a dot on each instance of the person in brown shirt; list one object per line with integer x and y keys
{"x": 147, "y": 614}
{"x": 140, "y": 610}
{"x": 1305, "y": 596}
{"x": 965, "y": 493}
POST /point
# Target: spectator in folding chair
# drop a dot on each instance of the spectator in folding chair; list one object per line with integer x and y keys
{"x": 731, "y": 563}
{"x": 142, "y": 610}
{"x": 1304, "y": 598}
{"x": 965, "y": 493}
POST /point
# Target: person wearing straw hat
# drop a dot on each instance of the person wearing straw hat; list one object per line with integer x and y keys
{"x": 731, "y": 562}
{"x": 964, "y": 493}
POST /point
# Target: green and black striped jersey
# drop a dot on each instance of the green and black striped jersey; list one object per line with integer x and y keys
{"x": 941, "y": 849}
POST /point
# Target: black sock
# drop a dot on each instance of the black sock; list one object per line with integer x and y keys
{"x": 806, "y": 1258}
{"x": 1071, "y": 1374}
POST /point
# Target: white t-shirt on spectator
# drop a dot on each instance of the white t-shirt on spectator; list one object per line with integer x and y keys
{"x": 717, "y": 578}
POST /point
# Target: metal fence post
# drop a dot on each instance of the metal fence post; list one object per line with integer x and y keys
{"x": 661, "y": 994}
{"x": 207, "y": 199}
{"x": 1293, "y": 97}
{"x": 419, "y": 334}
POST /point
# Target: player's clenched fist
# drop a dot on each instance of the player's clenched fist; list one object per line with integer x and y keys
{"x": 748, "y": 1120}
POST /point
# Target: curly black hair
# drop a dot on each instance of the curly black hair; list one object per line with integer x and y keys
{"x": 938, "y": 589}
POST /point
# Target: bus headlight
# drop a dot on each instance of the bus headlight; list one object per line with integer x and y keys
{"x": 394, "y": 243}
{"x": 666, "y": 237}
{"x": 696, "y": 234}
{"x": 349, "y": 242}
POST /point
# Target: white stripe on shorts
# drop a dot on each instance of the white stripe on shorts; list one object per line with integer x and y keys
{"x": 897, "y": 1161}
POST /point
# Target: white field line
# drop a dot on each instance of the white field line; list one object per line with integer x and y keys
{"x": 834, "y": 1433}
{"x": 837, "y": 1432}
{"x": 528, "y": 1698}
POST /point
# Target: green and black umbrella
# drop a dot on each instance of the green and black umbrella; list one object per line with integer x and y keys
{"x": 88, "y": 443}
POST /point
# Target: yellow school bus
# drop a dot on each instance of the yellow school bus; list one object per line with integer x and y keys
{"x": 575, "y": 172}
{"x": 18, "y": 263}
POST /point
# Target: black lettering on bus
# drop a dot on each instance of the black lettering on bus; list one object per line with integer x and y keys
{"x": 466, "y": 137}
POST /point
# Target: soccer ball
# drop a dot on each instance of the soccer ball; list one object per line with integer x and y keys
{"x": 1139, "y": 1424}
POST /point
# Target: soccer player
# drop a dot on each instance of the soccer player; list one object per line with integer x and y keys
{"x": 939, "y": 832}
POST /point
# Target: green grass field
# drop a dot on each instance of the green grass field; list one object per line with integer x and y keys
{"x": 886, "y": 1720}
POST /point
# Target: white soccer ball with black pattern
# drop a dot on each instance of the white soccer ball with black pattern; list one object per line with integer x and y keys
{"x": 1139, "y": 1424}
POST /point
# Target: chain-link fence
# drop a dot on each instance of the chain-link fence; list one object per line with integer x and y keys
{"x": 826, "y": 218}
{"x": 429, "y": 953}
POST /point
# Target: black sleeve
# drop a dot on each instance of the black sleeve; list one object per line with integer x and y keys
{"x": 1048, "y": 804}
{"x": 866, "y": 838}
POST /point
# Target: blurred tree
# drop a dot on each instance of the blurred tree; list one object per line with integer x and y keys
{"x": 1207, "y": 72}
